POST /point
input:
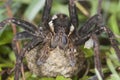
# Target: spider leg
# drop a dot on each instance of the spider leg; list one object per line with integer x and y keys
{"x": 97, "y": 55}
{"x": 97, "y": 29}
{"x": 20, "y": 36}
{"x": 42, "y": 57}
{"x": 113, "y": 41}
{"x": 73, "y": 13}
{"x": 92, "y": 21}
{"x": 23, "y": 36}
{"x": 110, "y": 34}
{"x": 89, "y": 27}
{"x": 46, "y": 12}
{"x": 22, "y": 23}
{"x": 19, "y": 57}
{"x": 85, "y": 29}
{"x": 99, "y": 7}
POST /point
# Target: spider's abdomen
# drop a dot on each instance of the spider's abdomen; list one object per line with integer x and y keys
{"x": 56, "y": 64}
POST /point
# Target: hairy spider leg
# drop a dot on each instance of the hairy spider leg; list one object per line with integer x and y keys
{"x": 107, "y": 30}
{"x": 30, "y": 31}
{"x": 46, "y": 12}
{"x": 97, "y": 55}
{"x": 22, "y": 23}
{"x": 33, "y": 43}
{"x": 87, "y": 26}
{"x": 83, "y": 38}
{"x": 113, "y": 41}
{"x": 91, "y": 20}
{"x": 28, "y": 27}
{"x": 83, "y": 30}
{"x": 99, "y": 28}
{"x": 73, "y": 13}
{"x": 99, "y": 7}
{"x": 85, "y": 33}
{"x": 30, "y": 45}
{"x": 23, "y": 36}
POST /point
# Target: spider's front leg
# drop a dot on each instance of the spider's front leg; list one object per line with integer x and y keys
{"x": 73, "y": 13}
{"x": 46, "y": 12}
{"x": 29, "y": 27}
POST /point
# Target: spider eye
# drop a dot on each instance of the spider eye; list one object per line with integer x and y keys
{"x": 71, "y": 29}
{"x": 51, "y": 25}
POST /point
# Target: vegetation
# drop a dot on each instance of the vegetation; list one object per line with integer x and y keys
{"x": 31, "y": 10}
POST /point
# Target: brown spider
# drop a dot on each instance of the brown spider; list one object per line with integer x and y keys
{"x": 53, "y": 48}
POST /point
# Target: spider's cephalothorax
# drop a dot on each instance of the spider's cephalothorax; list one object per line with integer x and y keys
{"x": 53, "y": 47}
{"x": 58, "y": 56}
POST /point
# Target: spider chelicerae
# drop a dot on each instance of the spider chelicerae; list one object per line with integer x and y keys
{"x": 53, "y": 46}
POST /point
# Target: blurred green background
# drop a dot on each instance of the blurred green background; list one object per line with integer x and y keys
{"x": 31, "y": 10}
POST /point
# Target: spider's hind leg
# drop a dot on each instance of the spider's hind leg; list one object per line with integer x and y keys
{"x": 19, "y": 57}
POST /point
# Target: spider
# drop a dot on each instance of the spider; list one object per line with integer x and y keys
{"x": 53, "y": 46}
